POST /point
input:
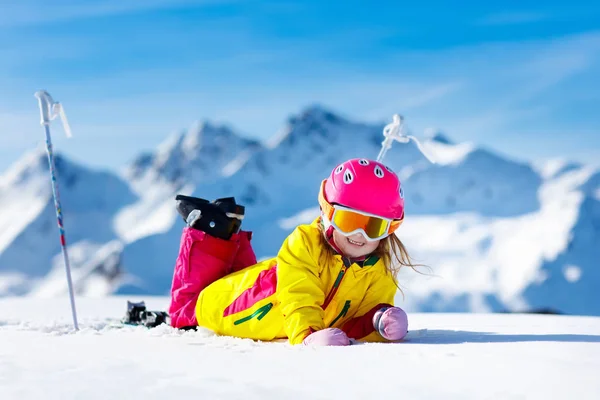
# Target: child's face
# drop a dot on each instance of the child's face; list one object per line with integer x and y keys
{"x": 354, "y": 246}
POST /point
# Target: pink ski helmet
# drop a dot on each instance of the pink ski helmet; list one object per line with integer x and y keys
{"x": 367, "y": 186}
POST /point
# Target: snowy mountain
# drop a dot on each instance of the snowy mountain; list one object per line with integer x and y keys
{"x": 569, "y": 281}
{"x": 468, "y": 179}
{"x": 202, "y": 154}
{"x": 30, "y": 250}
{"x": 546, "y": 259}
{"x": 499, "y": 234}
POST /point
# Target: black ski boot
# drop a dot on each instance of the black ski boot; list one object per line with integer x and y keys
{"x": 220, "y": 218}
{"x": 138, "y": 315}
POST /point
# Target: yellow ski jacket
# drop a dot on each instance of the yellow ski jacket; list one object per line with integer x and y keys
{"x": 298, "y": 292}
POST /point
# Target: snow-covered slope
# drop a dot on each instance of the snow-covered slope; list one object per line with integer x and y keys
{"x": 468, "y": 179}
{"x": 569, "y": 282}
{"x": 29, "y": 245}
{"x": 446, "y": 356}
{"x": 546, "y": 259}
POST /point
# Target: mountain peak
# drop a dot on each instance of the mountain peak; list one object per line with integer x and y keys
{"x": 29, "y": 162}
{"x": 207, "y": 133}
{"x": 196, "y": 154}
{"x": 192, "y": 139}
{"x": 35, "y": 164}
{"x": 208, "y": 127}
{"x": 317, "y": 114}
{"x": 315, "y": 122}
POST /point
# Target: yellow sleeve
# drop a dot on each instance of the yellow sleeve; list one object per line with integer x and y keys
{"x": 380, "y": 292}
{"x": 299, "y": 288}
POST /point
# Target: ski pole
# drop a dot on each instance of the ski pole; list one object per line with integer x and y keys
{"x": 49, "y": 109}
{"x": 395, "y": 131}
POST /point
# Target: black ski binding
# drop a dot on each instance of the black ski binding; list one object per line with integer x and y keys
{"x": 220, "y": 218}
{"x": 138, "y": 315}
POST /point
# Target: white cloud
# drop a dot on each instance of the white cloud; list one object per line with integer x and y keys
{"x": 405, "y": 97}
{"x": 25, "y": 12}
{"x": 508, "y": 81}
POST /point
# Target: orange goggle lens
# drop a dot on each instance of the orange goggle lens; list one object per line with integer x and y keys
{"x": 348, "y": 221}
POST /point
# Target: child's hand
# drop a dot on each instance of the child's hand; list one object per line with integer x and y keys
{"x": 327, "y": 337}
{"x": 391, "y": 323}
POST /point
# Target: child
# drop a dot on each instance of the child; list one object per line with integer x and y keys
{"x": 331, "y": 281}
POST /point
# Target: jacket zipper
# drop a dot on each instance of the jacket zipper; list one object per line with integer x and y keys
{"x": 260, "y": 314}
{"x": 342, "y": 313}
{"x": 336, "y": 285}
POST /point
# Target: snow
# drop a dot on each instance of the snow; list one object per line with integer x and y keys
{"x": 152, "y": 214}
{"x": 450, "y": 356}
{"x": 446, "y": 154}
{"x": 196, "y": 155}
{"x": 90, "y": 278}
{"x": 553, "y": 167}
{"x": 237, "y": 163}
{"x": 488, "y": 263}
{"x": 15, "y": 185}
{"x": 30, "y": 242}
{"x": 572, "y": 273}
{"x": 303, "y": 217}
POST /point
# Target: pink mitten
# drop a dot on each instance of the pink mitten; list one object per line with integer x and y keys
{"x": 327, "y": 337}
{"x": 391, "y": 323}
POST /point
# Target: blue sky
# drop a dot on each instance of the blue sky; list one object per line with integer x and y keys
{"x": 520, "y": 77}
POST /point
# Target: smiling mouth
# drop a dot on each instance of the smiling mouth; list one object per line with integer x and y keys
{"x": 355, "y": 243}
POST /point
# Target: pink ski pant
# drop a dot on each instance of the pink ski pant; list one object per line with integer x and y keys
{"x": 202, "y": 260}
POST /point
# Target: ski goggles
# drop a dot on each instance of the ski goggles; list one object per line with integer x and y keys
{"x": 348, "y": 221}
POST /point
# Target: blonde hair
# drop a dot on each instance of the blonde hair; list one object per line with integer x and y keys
{"x": 390, "y": 250}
